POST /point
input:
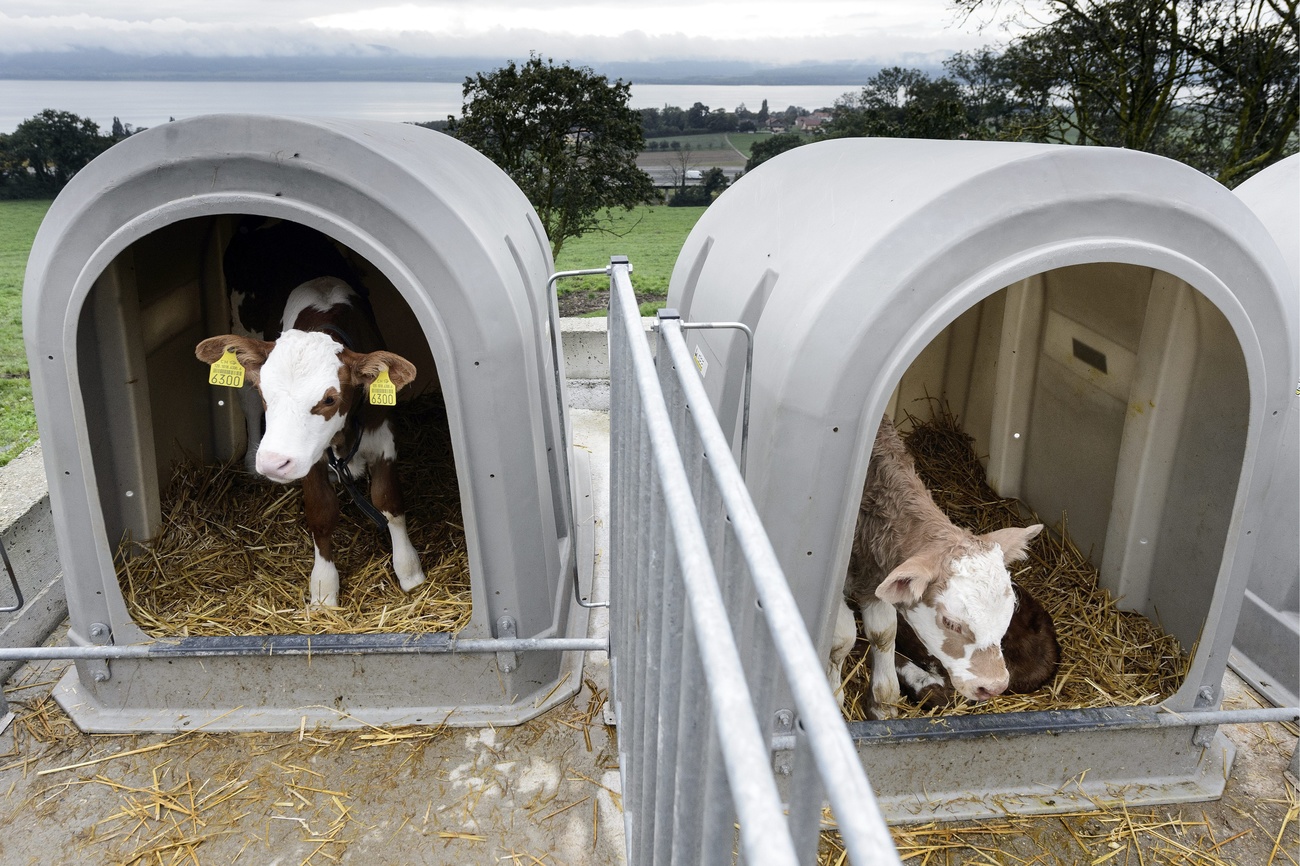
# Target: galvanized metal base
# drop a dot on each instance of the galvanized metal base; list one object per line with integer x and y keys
{"x": 1055, "y": 763}
{"x": 289, "y": 693}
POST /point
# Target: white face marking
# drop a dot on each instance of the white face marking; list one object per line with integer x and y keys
{"x": 319, "y": 294}
{"x": 300, "y": 369}
{"x": 978, "y": 599}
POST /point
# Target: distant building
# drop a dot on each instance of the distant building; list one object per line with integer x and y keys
{"x": 811, "y": 122}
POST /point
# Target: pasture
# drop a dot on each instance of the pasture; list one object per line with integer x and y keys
{"x": 650, "y": 236}
{"x": 18, "y": 223}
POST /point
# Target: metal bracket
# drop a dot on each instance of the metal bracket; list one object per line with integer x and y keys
{"x": 1203, "y": 736}
{"x": 506, "y": 628}
{"x": 9, "y": 568}
{"x": 100, "y": 635}
{"x": 783, "y": 728}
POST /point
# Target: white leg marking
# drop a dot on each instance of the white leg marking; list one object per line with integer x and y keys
{"x": 846, "y": 633}
{"x": 880, "y": 622}
{"x": 406, "y": 562}
{"x": 917, "y": 677}
{"x": 324, "y": 581}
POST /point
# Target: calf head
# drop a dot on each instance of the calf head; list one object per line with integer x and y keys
{"x": 309, "y": 384}
{"x": 958, "y": 599}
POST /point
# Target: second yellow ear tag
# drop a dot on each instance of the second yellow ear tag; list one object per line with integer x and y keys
{"x": 382, "y": 391}
{"x": 227, "y": 371}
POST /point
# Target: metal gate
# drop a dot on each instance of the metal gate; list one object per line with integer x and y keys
{"x": 693, "y": 579}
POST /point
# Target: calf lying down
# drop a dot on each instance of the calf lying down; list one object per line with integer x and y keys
{"x": 1029, "y": 647}
{"x": 950, "y": 585}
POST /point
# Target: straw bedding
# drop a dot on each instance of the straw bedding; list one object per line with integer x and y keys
{"x": 234, "y": 555}
{"x": 1109, "y": 657}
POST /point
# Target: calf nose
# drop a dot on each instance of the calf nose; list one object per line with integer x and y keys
{"x": 275, "y": 466}
{"x": 983, "y": 693}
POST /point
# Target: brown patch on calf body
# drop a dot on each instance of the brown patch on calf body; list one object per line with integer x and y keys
{"x": 385, "y": 493}
{"x": 321, "y": 504}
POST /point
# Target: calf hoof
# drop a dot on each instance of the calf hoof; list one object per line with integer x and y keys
{"x": 883, "y": 712}
{"x": 410, "y": 581}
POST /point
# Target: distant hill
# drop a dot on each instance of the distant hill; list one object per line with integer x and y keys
{"x": 100, "y": 64}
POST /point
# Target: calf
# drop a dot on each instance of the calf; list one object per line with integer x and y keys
{"x": 950, "y": 585}
{"x": 1029, "y": 647}
{"x": 315, "y": 381}
{"x": 265, "y": 261}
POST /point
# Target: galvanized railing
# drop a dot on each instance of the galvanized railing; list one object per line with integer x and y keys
{"x": 693, "y": 578}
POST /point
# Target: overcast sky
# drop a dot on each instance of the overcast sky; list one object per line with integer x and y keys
{"x": 775, "y": 31}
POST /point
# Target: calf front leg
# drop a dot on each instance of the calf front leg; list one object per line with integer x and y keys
{"x": 845, "y": 635}
{"x": 386, "y": 495}
{"x": 322, "y": 506}
{"x": 880, "y": 622}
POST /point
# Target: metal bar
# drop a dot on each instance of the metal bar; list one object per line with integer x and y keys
{"x": 305, "y": 645}
{"x": 763, "y": 832}
{"x": 1051, "y": 722}
{"x": 862, "y": 826}
{"x": 559, "y": 398}
{"x": 749, "y": 376}
{"x": 805, "y": 798}
{"x": 9, "y": 568}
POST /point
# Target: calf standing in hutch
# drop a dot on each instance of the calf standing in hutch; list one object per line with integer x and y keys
{"x": 327, "y": 387}
{"x": 950, "y": 586}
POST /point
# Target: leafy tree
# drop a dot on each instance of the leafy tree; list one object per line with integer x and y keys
{"x": 565, "y": 135}
{"x": 44, "y": 152}
{"x": 902, "y": 103}
{"x": 703, "y": 193}
{"x": 767, "y": 148}
{"x": 1210, "y": 82}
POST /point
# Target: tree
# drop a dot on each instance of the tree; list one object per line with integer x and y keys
{"x": 902, "y": 103}
{"x": 1209, "y": 82}
{"x": 702, "y": 194}
{"x": 565, "y": 135}
{"x": 44, "y": 152}
{"x": 55, "y": 145}
{"x": 764, "y": 150}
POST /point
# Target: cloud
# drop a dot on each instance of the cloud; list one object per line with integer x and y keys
{"x": 760, "y": 30}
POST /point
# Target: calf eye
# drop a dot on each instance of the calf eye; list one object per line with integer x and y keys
{"x": 952, "y": 625}
{"x": 328, "y": 401}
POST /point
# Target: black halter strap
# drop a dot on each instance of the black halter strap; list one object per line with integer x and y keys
{"x": 340, "y": 467}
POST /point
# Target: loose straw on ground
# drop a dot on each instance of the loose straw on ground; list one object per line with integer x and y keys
{"x": 234, "y": 555}
{"x": 1109, "y": 657}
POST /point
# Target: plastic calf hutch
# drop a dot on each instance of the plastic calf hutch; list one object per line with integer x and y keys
{"x": 123, "y": 281}
{"x": 1117, "y": 333}
{"x": 1266, "y": 649}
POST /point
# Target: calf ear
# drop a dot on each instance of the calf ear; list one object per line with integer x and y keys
{"x": 1014, "y": 541}
{"x": 366, "y": 367}
{"x": 907, "y": 583}
{"x": 250, "y": 353}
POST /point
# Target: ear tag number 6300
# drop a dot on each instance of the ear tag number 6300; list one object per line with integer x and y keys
{"x": 382, "y": 391}
{"x": 227, "y": 371}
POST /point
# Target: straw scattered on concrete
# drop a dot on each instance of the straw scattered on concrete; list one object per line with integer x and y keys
{"x": 234, "y": 555}
{"x": 1109, "y": 657}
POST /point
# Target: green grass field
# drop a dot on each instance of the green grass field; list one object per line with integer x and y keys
{"x": 650, "y": 237}
{"x": 18, "y": 223}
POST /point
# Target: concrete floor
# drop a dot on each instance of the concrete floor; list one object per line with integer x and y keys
{"x": 545, "y": 792}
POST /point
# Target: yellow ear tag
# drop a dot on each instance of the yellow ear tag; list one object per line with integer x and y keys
{"x": 382, "y": 391}
{"x": 227, "y": 371}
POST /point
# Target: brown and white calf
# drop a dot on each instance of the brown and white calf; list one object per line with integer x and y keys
{"x": 314, "y": 382}
{"x": 950, "y": 585}
{"x": 1029, "y": 647}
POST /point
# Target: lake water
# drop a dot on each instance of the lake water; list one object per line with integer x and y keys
{"x": 148, "y": 103}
